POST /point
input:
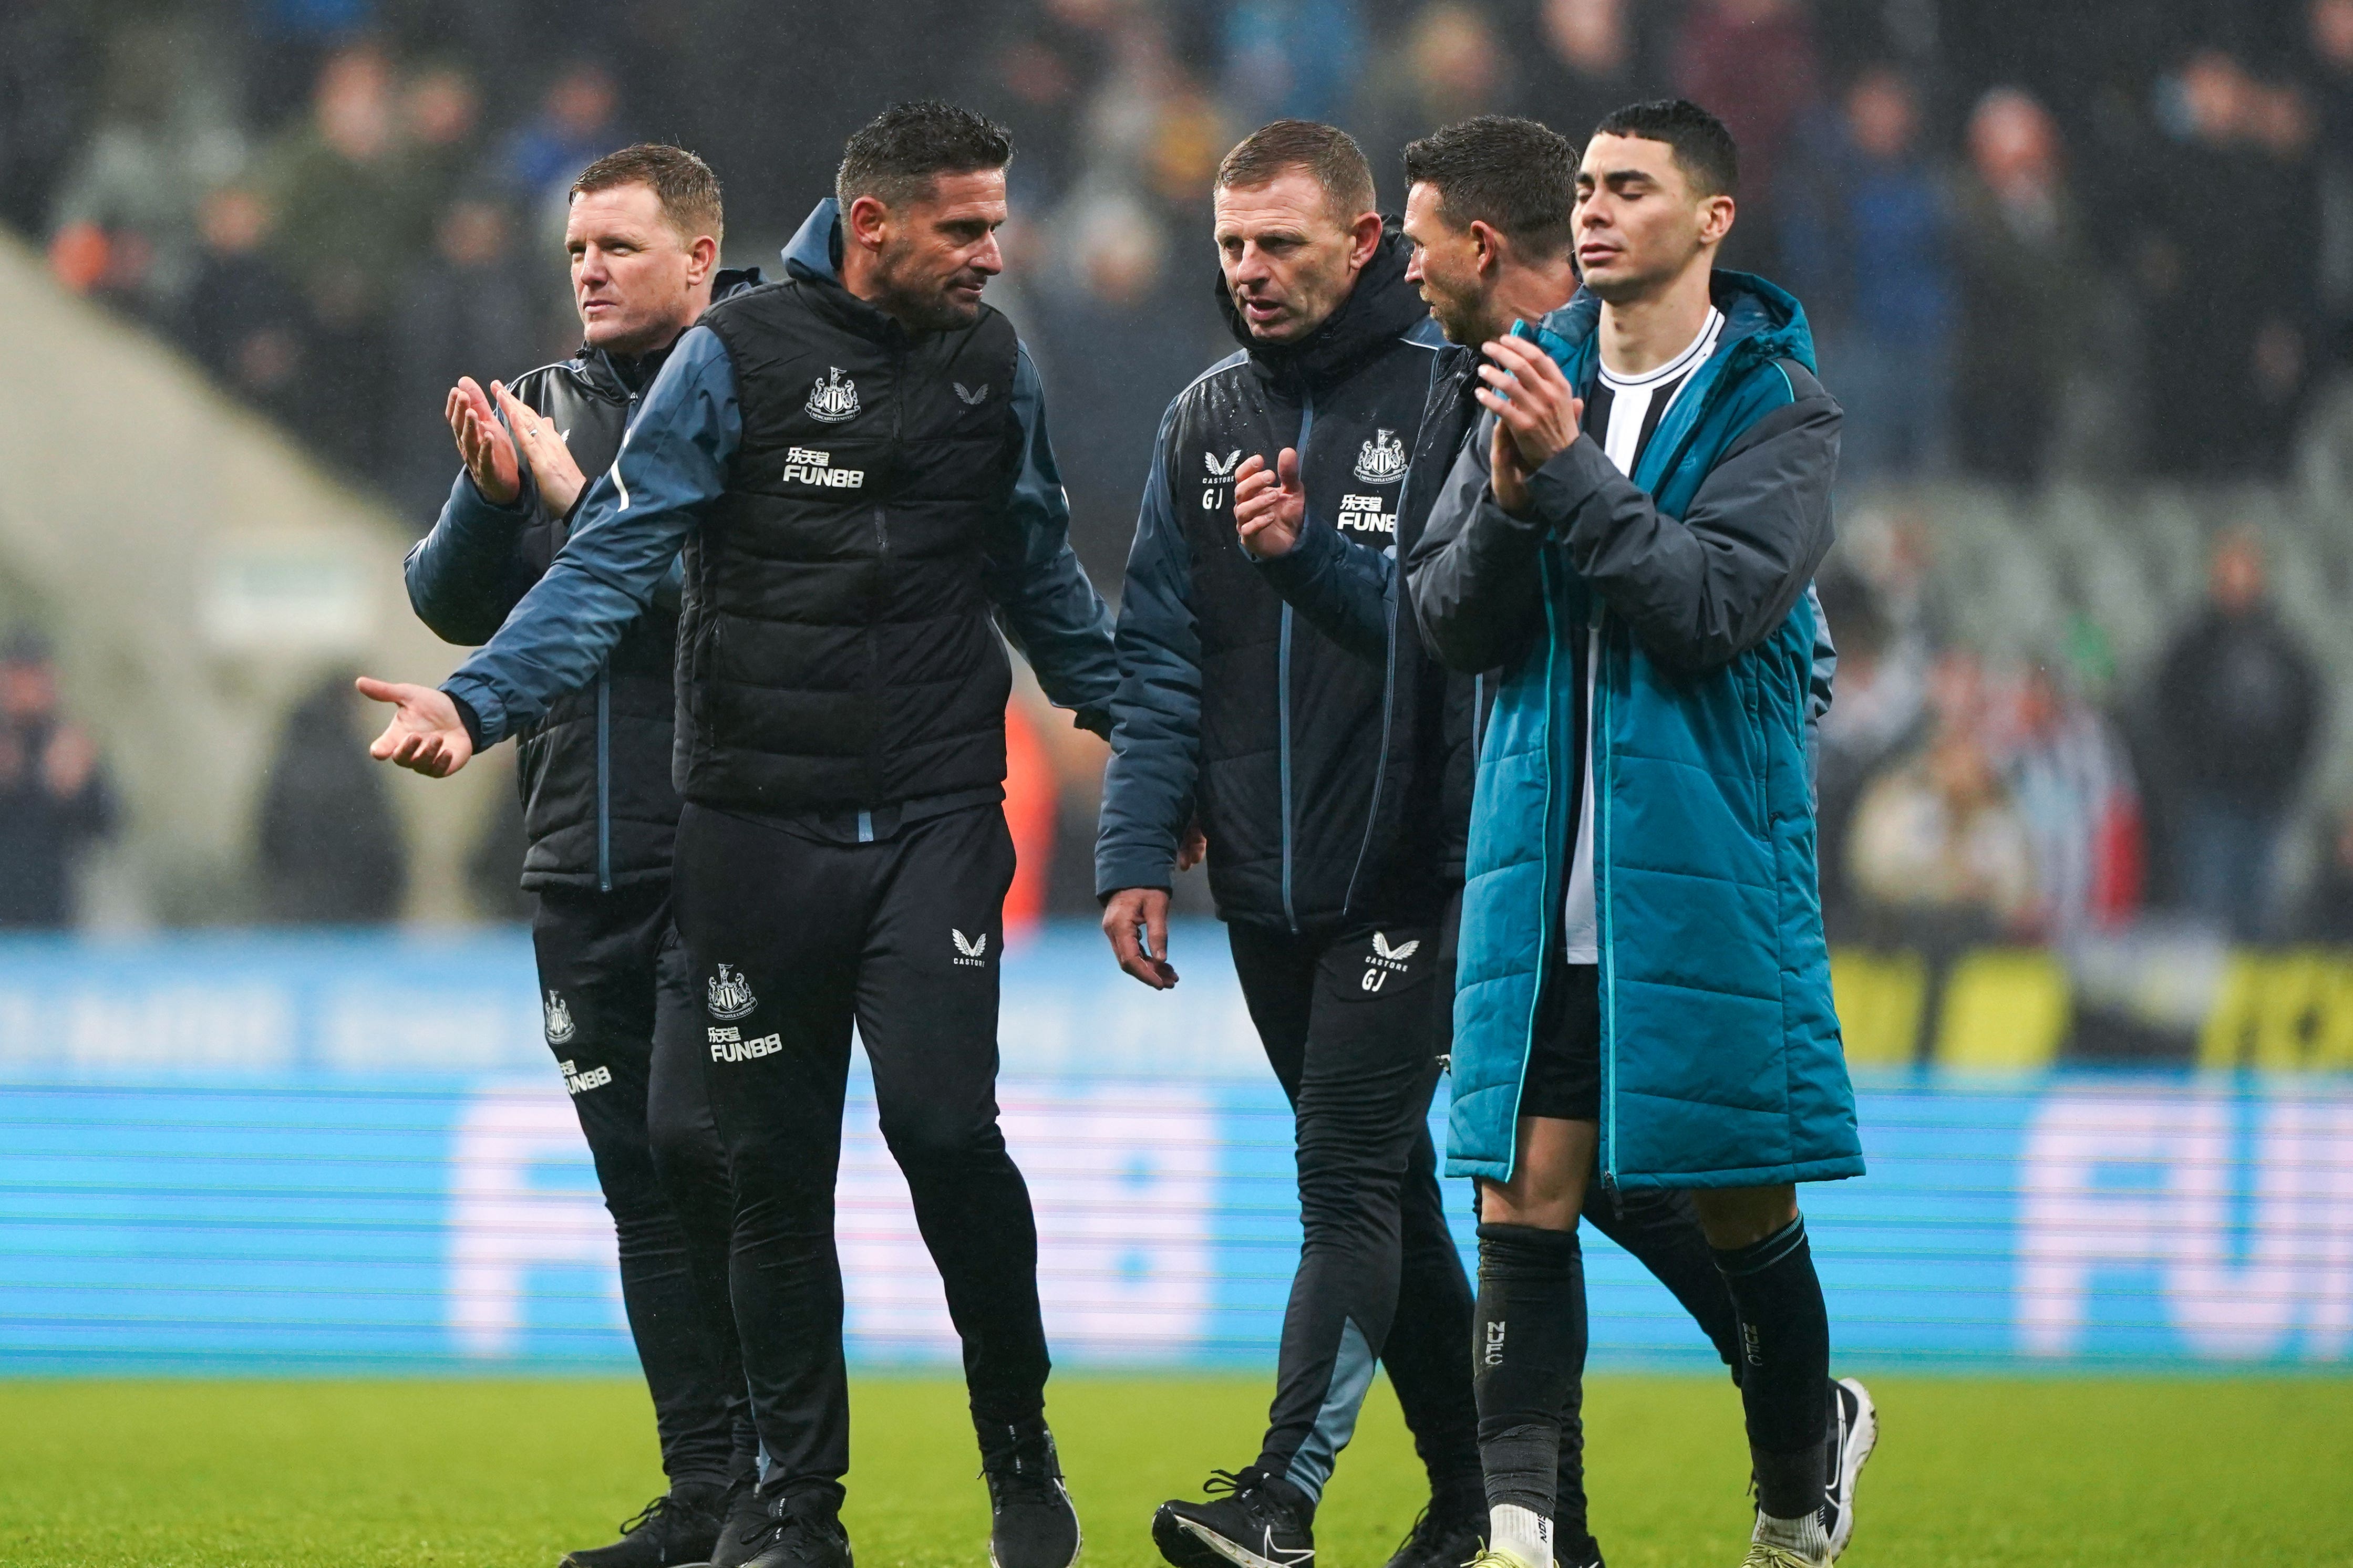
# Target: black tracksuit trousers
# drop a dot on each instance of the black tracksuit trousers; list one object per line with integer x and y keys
{"x": 1355, "y": 1026}
{"x": 627, "y": 1033}
{"x": 796, "y": 931}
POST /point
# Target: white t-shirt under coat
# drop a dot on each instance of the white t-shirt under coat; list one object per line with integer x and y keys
{"x": 1627, "y": 409}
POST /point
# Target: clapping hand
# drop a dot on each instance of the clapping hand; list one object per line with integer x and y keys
{"x": 1536, "y": 417}
{"x": 483, "y": 443}
{"x": 1269, "y": 504}
{"x": 559, "y": 478}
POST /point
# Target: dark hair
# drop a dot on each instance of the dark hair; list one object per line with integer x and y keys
{"x": 686, "y": 189}
{"x": 1514, "y": 175}
{"x": 895, "y": 156}
{"x": 1329, "y": 156}
{"x": 1704, "y": 148}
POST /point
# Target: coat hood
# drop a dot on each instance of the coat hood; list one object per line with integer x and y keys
{"x": 1380, "y": 309}
{"x": 815, "y": 253}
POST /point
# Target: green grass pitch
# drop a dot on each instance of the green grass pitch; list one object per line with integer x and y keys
{"x": 1969, "y": 1474}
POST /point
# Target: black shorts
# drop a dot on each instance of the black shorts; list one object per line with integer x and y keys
{"x": 1564, "y": 1075}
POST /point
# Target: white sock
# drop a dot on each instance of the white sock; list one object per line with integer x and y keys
{"x": 1522, "y": 1533}
{"x": 1806, "y": 1536}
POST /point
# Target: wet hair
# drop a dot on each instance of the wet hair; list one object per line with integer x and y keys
{"x": 1704, "y": 148}
{"x": 682, "y": 183}
{"x": 1514, "y": 175}
{"x": 895, "y": 156}
{"x": 1328, "y": 154}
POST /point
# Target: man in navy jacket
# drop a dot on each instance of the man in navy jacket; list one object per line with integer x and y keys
{"x": 599, "y": 814}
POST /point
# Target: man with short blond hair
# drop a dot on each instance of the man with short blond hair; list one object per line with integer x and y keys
{"x": 599, "y": 813}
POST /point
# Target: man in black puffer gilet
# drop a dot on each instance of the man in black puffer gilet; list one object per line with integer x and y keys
{"x": 855, "y": 460}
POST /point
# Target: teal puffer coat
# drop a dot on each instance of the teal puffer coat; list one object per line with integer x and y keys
{"x": 1721, "y": 1065}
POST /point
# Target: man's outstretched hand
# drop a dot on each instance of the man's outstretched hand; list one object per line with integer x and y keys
{"x": 425, "y": 734}
{"x": 1137, "y": 921}
{"x": 1269, "y": 504}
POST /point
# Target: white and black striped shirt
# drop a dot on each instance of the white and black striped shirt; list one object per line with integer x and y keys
{"x": 1622, "y": 415}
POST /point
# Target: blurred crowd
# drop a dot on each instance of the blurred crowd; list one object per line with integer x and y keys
{"x": 2032, "y": 237}
{"x": 55, "y": 797}
{"x": 2063, "y": 238}
{"x": 2041, "y": 798}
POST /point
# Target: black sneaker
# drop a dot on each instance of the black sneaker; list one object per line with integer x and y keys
{"x": 743, "y": 1523}
{"x": 1031, "y": 1523}
{"x": 799, "y": 1531}
{"x": 1854, "y": 1432}
{"x": 1252, "y": 1524}
{"x": 678, "y": 1528}
{"x": 1579, "y": 1551}
{"x": 1445, "y": 1535}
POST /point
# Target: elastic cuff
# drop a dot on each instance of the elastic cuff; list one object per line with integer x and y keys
{"x": 520, "y": 506}
{"x": 1527, "y": 1252}
{"x": 1496, "y": 519}
{"x": 1759, "y": 1256}
{"x": 468, "y": 718}
{"x": 1135, "y": 872}
{"x": 478, "y": 706}
{"x": 1571, "y": 478}
{"x": 1315, "y": 545}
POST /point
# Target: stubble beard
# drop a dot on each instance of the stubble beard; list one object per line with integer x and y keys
{"x": 924, "y": 307}
{"x": 1463, "y": 320}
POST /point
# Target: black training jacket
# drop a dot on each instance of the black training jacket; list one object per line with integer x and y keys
{"x": 1314, "y": 763}
{"x": 599, "y": 810}
{"x": 1356, "y": 596}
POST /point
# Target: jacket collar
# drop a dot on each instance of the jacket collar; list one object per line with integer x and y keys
{"x": 621, "y": 378}
{"x": 814, "y": 259}
{"x": 1761, "y": 323}
{"x": 1382, "y": 308}
{"x": 1761, "y": 319}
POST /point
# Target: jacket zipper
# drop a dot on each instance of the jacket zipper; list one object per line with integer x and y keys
{"x": 1599, "y": 750}
{"x": 1388, "y": 706}
{"x": 605, "y": 780}
{"x": 898, "y": 393}
{"x": 1282, "y": 721}
{"x": 1389, "y": 658}
{"x": 1282, "y": 692}
{"x": 898, "y": 385}
{"x": 1548, "y": 910}
{"x": 605, "y": 722}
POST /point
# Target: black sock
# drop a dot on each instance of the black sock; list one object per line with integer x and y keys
{"x": 1661, "y": 1228}
{"x": 1527, "y": 1353}
{"x": 1568, "y": 1489}
{"x": 1785, "y": 1340}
